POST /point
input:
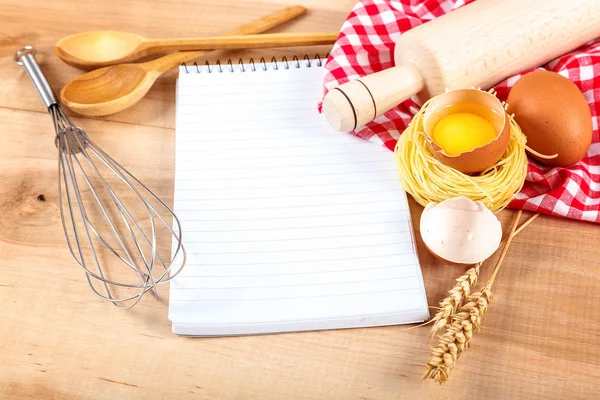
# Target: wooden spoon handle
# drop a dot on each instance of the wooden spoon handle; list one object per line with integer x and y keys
{"x": 267, "y": 22}
{"x": 243, "y": 42}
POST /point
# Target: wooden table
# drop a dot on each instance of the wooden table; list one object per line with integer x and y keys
{"x": 57, "y": 341}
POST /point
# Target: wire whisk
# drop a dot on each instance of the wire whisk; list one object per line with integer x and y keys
{"x": 109, "y": 217}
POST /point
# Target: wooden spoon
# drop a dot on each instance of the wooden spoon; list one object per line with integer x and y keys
{"x": 115, "y": 88}
{"x": 90, "y": 50}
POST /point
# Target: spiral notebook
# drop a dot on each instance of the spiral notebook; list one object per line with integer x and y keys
{"x": 288, "y": 225}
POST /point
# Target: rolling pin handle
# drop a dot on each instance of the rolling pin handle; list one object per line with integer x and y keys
{"x": 355, "y": 103}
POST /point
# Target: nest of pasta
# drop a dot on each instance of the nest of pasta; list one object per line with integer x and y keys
{"x": 429, "y": 180}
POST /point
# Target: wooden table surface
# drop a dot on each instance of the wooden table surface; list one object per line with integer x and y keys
{"x": 57, "y": 341}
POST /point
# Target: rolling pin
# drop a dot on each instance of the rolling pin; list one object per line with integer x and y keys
{"x": 477, "y": 45}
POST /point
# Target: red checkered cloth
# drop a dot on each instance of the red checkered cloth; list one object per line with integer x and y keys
{"x": 365, "y": 45}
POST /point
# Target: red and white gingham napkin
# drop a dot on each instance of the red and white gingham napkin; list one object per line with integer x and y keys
{"x": 365, "y": 45}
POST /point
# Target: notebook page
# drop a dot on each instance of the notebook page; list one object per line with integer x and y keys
{"x": 288, "y": 225}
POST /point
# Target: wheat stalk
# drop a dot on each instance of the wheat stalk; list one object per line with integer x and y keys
{"x": 466, "y": 320}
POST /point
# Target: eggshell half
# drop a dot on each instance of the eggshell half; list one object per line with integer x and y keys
{"x": 480, "y": 158}
{"x": 554, "y": 116}
{"x": 460, "y": 230}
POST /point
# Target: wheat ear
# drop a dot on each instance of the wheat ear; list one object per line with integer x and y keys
{"x": 456, "y": 298}
{"x": 458, "y": 336}
{"x": 467, "y": 320}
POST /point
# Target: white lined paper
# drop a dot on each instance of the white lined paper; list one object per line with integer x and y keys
{"x": 288, "y": 225}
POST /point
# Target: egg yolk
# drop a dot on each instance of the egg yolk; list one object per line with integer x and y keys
{"x": 462, "y": 132}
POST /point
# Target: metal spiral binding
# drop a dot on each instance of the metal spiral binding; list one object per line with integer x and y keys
{"x": 251, "y": 65}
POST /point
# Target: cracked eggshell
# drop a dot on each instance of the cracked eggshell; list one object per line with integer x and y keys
{"x": 460, "y": 231}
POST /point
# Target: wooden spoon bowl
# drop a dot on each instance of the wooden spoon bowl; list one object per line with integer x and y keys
{"x": 108, "y": 90}
{"x": 99, "y": 48}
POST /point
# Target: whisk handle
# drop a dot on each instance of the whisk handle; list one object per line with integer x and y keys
{"x": 26, "y": 58}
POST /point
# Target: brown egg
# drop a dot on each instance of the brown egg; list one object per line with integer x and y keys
{"x": 472, "y": 101}
{"x": 554, "y": 116}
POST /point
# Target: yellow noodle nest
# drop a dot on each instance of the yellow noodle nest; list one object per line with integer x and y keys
{"x": 428, "y": 180}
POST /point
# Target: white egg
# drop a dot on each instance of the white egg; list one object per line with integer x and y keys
{"x": 460, "y": 230}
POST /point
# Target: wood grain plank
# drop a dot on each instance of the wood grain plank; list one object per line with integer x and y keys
{"x": 57, "y": 341}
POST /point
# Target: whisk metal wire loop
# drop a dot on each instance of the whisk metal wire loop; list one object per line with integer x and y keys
{"x": 76, "y": 172}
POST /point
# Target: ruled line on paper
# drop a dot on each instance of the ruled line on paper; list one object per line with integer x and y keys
{"x": 251, "y": 85}
{"x": 278, "y": 218}
{"x": 298, "y": 297}
{"x": 300, "y": 238}
{"x": 304, "y": 146}
{"x": 369, "y": 238}
{"x": 208, "y": 159}
{"x": 298, "y": 118}
{"x": 283, "y": 165}
{"x": 232, "y": 98}
{"x": 295, "y": 227}
{"x": 296, "y": 184}
{"x": 182, "y": 113}
{"x": 293, "y": 176}
{"x": 192, "y": 121}
{"x": 233, "y": 101}
{"x": 295, "y": 256}
{"x": 207, "y": 128}
{"x": 391, "y": 242}
{"x": 315, "y": 260}
{"x": 288, "y": 196}
{"x": 312, "y": 284}
{"x": 243, "y": 138}
{"x": 246, "y": 207}
{"x": 410, "y": 264}
{"x": 290, "y": 226}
